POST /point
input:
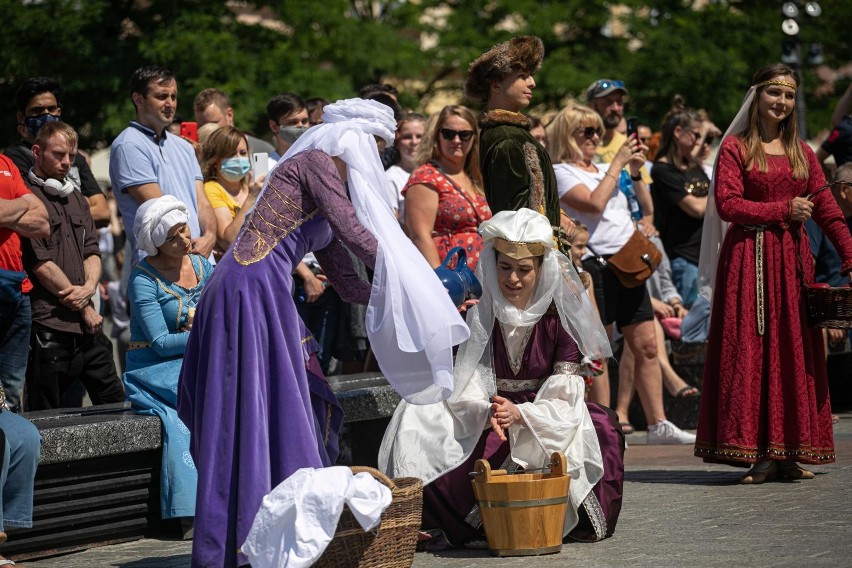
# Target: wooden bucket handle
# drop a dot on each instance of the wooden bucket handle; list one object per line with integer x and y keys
{"x": 483, "y": 471}
{"x": 375, "y": 473}
{"x": 558, "y": 464}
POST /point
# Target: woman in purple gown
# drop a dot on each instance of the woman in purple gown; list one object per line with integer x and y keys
{"x": 251, "y": 391}
{"x": 519, "y": 394}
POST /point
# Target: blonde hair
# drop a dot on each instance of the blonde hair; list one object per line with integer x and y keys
{"x": 47, "y": 131}
{"x": 560, "y": 132}
{"x": 429, "y": 147}
{"x": 752, "y": 144}
{"x": 221, "y": 144}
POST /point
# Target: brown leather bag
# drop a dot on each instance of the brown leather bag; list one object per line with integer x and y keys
{"x": 635, "y": 261}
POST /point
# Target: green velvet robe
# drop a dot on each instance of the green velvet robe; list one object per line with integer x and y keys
{"x": 516, "y": 169}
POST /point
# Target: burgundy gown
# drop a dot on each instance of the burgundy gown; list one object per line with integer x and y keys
{"x": 448, "y": 500}
{"x": 766, "y": 396}
{"x": 250, "y": 391}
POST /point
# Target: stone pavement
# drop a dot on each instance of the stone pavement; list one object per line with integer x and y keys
{"x": 677, "y": 511}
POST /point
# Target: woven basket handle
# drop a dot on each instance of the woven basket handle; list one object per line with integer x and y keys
{"x": 375, "y": 473}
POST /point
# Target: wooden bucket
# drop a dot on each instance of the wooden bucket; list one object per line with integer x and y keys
{"x": 523, "y": 514}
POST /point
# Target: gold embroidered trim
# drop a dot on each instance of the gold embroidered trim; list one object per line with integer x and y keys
{"x": 281, "y": 223}
{"x": 306, "y": 339}
{"x": 777, "y": 82}
{"x": 518, "y": 250}
{"x": 197, "y": 270}
{"x": 758, "y": 275}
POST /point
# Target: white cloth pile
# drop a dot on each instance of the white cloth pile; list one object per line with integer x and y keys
{"x": 297, "y": 520}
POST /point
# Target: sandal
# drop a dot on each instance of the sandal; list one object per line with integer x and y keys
{"x": 626, "y": 427}
{"x": 687, "y": 392}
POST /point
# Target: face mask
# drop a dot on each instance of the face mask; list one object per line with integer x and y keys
{"x": 34, "y": 123}
{"x": 291, "y": 133}
{"x": 235, "y": 169}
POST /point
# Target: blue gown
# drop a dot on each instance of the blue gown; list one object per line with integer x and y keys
{"x": 158, "y": 311}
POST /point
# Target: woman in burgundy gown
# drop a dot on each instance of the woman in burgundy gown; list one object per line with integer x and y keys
{"x": 519, "y": 393}
{"x": 765, "y": 396}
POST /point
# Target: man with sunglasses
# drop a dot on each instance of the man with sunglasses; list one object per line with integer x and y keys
{"x": 516, "y": 169}
{"x": 38, "y": 102}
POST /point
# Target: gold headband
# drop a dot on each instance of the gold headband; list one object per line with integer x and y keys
{"x": 777, "y": 82}
{"x": 518, "y": 250}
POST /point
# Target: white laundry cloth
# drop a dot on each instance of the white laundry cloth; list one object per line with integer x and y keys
{"x": 297, "y": 519}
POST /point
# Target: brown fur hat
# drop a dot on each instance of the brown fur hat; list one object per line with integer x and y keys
{"x": 523, "y": 53}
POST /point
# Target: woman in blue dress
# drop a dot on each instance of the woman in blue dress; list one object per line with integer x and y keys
{"x": 164, "y": 288}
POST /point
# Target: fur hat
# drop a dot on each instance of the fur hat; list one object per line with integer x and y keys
{"x": 523, "y": 53}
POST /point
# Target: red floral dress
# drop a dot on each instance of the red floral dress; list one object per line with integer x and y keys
{"x": 459, "y": 215}
{"x": 766, "y": 396}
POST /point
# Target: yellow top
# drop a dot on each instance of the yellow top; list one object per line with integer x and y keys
{"x": 219, "y": 197}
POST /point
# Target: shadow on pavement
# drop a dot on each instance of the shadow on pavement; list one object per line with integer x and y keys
{"x": 158, "y": 562}
{"x": 684, "y": 477}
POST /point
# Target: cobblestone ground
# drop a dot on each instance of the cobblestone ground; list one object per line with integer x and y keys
{"x": 677, "y": 512}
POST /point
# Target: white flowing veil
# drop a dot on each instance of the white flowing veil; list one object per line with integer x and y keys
{"x": 411, "y": 322}
{"x": 558, "y": 283}
{"x": 715, "y": 228}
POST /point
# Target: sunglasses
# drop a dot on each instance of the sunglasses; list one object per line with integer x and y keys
{"x": 603, "y": 85}
{"x": 590, "y": 131}
{"x": 449, "y": 134}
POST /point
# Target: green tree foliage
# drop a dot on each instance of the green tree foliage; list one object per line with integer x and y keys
{"x": 332, "y": 48}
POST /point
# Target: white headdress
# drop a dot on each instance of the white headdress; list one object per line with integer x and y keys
{"x": 557, "y": 284}
{"x": 411, "y": 322}
{"x": 155, "y": 218}
{"x": 713, "y": 232}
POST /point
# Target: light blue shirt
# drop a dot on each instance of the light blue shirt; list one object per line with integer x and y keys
{"x": 138, "y": 156}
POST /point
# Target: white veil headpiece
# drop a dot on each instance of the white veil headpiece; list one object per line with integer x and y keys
{"x": 411, "y": 322}
{"x": 714, "y": 230}
{"x": 557, "y": 284}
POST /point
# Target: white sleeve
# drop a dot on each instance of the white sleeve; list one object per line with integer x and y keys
{"x": 566, "y": 178}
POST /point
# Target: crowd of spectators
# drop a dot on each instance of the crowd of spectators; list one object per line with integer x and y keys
{"x": 67, "y": 263}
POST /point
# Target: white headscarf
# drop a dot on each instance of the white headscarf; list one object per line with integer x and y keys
{"x": 411, "y": 322}
{"x": 714, "y": 230}
{"x": 557, "y": 283}
{"x": 155, "y": 218}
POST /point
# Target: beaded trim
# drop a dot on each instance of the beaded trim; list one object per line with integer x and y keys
{"x": 758, "y": 272}
{"x": 698, "y": 188}
{"x": 773, "y": 451}
{"x": 567, "y": 368}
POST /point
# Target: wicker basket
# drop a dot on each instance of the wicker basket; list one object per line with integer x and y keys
{"x": 829, "y": 307}
{"x": 392, "y": 543}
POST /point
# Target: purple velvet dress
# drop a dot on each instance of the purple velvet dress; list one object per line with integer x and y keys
{"x": 254, "y": 399}
{"x": 448, "y": 501}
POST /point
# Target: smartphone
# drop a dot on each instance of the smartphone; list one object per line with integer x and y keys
{"x": 260, "y": 164}
{"x": 189, "y": 130}
{"x": 632, "y": 126}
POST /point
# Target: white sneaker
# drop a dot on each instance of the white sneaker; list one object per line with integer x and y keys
{"x": 667, "y": 433}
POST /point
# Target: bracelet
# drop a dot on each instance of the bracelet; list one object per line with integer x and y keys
{"x": 609, "y": 173}
{"x": 636, "y": 177}
{"x": 788, "y": 218}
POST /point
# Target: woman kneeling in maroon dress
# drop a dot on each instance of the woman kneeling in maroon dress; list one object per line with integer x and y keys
{"x": 519, "y": 393}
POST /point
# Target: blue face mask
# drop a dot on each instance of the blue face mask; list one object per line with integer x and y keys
{"x": 34, "y": 123}
{"x": 235, "y": 169}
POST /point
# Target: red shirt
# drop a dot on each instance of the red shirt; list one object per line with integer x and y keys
{"x": 11, "y": 187}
